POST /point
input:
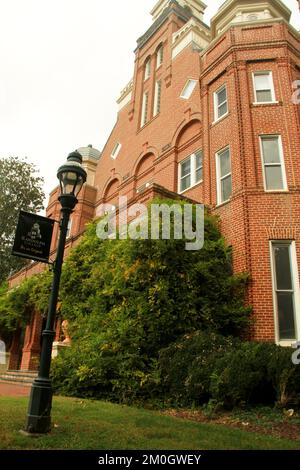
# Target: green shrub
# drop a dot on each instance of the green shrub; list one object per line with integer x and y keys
{"x": 255, "y": 373}
{"x": 187, "y": 365}
{"x": 284, "y": 376}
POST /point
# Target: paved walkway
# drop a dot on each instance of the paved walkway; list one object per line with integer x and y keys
{"x": 13, "y": 390}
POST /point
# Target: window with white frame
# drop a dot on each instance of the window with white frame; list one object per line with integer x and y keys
{"x": 273, "y": 163}
{"x": 159, "y": 56}
{"x": 69, "y": 229}
{"x": 147, "y": 71}
{"x": 190, "y": 171}
{"x": 221, "y": 102}
{"x": 224, "y": 177}
{"x": 144, "y": 116}
{"x": 286, "y": 287}
{"x": 188, "y": 89}
{"x": 116, "y": 150}
{"x": 157, "y": 98}
{"x": 264, "y": 87}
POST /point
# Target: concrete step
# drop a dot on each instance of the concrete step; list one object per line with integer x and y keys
{"x": 18, "y": 377}
{"x": 21, "y": 373}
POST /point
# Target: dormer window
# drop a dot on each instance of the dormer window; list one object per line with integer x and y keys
{"x": 159, "y": 56}
{"x": 147, "y": 72}
{"x": 116, "y": 150}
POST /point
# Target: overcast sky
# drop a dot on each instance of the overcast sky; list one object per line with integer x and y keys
{"x": 63, "y": 64}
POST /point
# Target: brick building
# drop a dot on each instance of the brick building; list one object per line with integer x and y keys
{"x": 209, "y": 115}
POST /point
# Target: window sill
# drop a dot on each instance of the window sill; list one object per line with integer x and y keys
{"x": 221, "y": 204}
{"x": 288, "y": 343}
{"x": 191, "y": 187}
{"x": 149, "y": 122}
{"x": 276, "y": 191}
{"x": 220, "y": 119}
{"x": 266, "y": 103}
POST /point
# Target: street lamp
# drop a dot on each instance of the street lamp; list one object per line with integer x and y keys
{"x": 71, "y": 176}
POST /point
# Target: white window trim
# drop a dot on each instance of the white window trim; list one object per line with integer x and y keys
{"x": 147, "y": 69}
{"x": 185, "y": 87}
{"x": 156, "y": 109}
{"x": 69, "y": 229}
{"x": 296, "y": 287}
{"x": 159, "y": 56}
{"x": 145, "y": 106}
{"x": 191, "y": 157}
{"x": 271, "y": 83}
{"x": 217, "y": 106}
{"x": 284, "y": 179}
{"x": 116, "y": 150}
{"x": 218, "y": 174}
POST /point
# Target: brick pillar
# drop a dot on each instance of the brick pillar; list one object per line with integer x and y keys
{"x": 32, "y": 343}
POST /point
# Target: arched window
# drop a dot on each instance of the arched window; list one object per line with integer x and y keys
{"x": 147, "y": 71}
{"x": 159, "y": 56}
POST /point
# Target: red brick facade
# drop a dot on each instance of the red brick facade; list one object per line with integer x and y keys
{"x": 225, "y": 54}
{"x": 252, "y": 217}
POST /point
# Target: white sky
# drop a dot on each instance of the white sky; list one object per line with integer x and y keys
{"x": 63, "y": 64}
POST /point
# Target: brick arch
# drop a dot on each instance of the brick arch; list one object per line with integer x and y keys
{"x": 160, "y": 45}
{"x": 186, "y": 131}
{"x": 111, "y": 189}
{"x": 144, "y": 163}
{"x": 144, "y": 170}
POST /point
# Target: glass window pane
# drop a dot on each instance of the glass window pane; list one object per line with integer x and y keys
{"x": 226, "y": 188}
{"x": 185, "y": 183}
{"x": 198, "y": 159}
{"x": 147, "y": 69}
{"x": 264, "y": 96}
{"x": 222, "y": 110}
{"x": 199, "y": 175}
{"x": 274, "y": 179}
{"x": 286, "y": 318}
{"x": 225, "y": 164}
{"x": 186, "y": 168}
{"x": 262, "y": 81}
{"x": 271, "y": 150}
{"x": 283, "y": 267}
{"x": 189, "y": 88}
{"x": 222, "y": 96}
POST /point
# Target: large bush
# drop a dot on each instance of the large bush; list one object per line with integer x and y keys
{"x": 126, "y": 300}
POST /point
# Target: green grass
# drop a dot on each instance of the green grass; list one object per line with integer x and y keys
{"x": 84, "y": 424}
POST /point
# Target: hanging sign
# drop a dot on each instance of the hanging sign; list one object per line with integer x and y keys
{"x": 33, "y": 237}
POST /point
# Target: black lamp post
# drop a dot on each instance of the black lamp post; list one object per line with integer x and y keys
{"x": 71, "y": 176}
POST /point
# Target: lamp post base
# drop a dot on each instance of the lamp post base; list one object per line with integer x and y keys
{"x": 40, "y": 404}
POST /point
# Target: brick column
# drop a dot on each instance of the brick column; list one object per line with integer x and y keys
{"x": 32, "y": 343}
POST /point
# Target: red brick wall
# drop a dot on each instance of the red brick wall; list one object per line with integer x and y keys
{"x": 252, "y": 217}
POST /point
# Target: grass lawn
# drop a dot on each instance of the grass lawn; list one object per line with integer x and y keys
{"x": 84, "y": 424}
